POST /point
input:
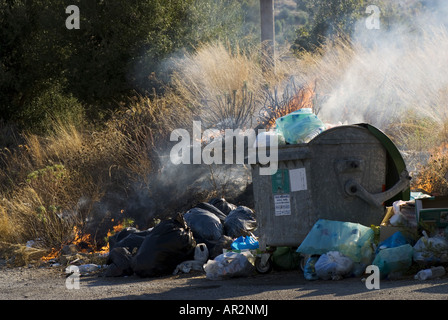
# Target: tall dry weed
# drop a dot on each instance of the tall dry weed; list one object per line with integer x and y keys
{"x": 55, "y": 182}
{"x": 227, "y": 87}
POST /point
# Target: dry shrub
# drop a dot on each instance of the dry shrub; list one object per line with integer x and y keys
{"x": 51, "y": 183}
{"x": 226, "y": 87}
{"x": 432, "y": 177}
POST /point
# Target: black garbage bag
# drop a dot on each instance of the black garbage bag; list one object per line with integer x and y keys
{"x": 240, "y": 222}
{"x": 119, "y": 263}
{"x": 217, "y": 247}
{"x": 120, "y": 236}
{"x": 132, "y": 241}
{"x": 211, "y": 208}
{"x": 206, "y": 226}
{"x": 117, "y": 239}
{"x": 224, "y": 206}
{"x": 168, "y": 244}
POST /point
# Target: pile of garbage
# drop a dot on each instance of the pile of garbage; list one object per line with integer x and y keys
{"x": 195, "y": 240}
{"x": 217, "y": 238}
{"x": 398, "y": 246}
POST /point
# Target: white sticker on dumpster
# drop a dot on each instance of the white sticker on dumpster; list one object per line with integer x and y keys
{"x": 297, "y": 177}
{"x": 282, "y": 204}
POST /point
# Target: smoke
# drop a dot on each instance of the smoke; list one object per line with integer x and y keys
{"x": 389, "y": 72}
{"x": 383, "y": 76}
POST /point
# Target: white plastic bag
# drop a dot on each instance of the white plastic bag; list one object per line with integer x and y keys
{"x": 431, "y": 250}
{"x": 333, "y": 265}
{"x": 229, "y": 265}
{"x": 201, "y": 252}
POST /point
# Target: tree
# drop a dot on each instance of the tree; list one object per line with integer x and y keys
{"x": 329, "y": 19}
{"x": 119, "y": 45}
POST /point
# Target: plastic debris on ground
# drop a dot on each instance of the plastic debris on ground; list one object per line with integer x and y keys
{"x": 300, "y": 126}
{"x": 201, "y": 255}
{"x": 351, "y": 239}
{"x": 333, "y": 265}
{"x": 245, "y": 243}
{"x": 396, "y": 240}
{"x": 431, "y": 273}
{"x": 184, "y": 243}
{"x": 403, "y": 214}
{"x": 431, "y": 250}
{"x": 230, "y": 265}
{"x": 285, "y": 258}
{"x": 394, "y": 260}
{"x": 309, "y": 271}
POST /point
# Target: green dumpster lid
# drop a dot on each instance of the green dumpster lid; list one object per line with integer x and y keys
{"x": 395, "y": 162}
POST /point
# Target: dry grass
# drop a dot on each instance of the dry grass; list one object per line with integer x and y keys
{"x": 227, "y": 87}
{"x": 50, "y": 184}
{"x": 432, "y": 176}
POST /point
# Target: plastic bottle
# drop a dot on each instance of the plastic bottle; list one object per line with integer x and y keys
{"x": 432, "y": 273}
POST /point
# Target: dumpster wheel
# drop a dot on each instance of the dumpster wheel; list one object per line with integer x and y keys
{"x": 263, "y": 263}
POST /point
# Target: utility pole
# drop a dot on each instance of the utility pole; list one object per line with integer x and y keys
{"x": 267, "y": 34}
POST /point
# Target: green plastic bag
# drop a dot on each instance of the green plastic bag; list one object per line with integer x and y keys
{"x": 299, "y": 126}
{"x": 394, "y": 259}
{"x": 351, "y": 239}
{"x": 285, "y": 258}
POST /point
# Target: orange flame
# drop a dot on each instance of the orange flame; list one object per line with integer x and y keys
{"x": 302, "y": 99}
{"x": 84, "y": 242}
{"x": 52, "y": 255}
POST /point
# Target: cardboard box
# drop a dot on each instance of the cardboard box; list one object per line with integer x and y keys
{"x": 387, "y": 231}
{"x": 432, "y": 210}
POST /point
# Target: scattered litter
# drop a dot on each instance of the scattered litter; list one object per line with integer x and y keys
{"x": 201, "y": 253}
{"x": 229, "y": 265}
{"x": 188, "y": 266}
{"x": 351, "y": 239}
{"x": 285, "y": 258}
{"x": 431, "y": 250}
{"x": 403, "y": 214}
{"x": 395, "y": 240}
{"x": 200, "y": 257}
{"x": 431, "y": 273}
{"x": 333, "y": 265}
{"x": 245, "y": 243}
{"x": 309, "y": 271}
{"x": 392, "y": 260}
{"x": 88, "y": 268}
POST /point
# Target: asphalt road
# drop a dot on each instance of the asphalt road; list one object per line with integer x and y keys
{"x": 53, "y": 284}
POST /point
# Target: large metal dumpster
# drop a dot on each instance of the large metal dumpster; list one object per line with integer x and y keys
{"x": 346, "y": 173}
